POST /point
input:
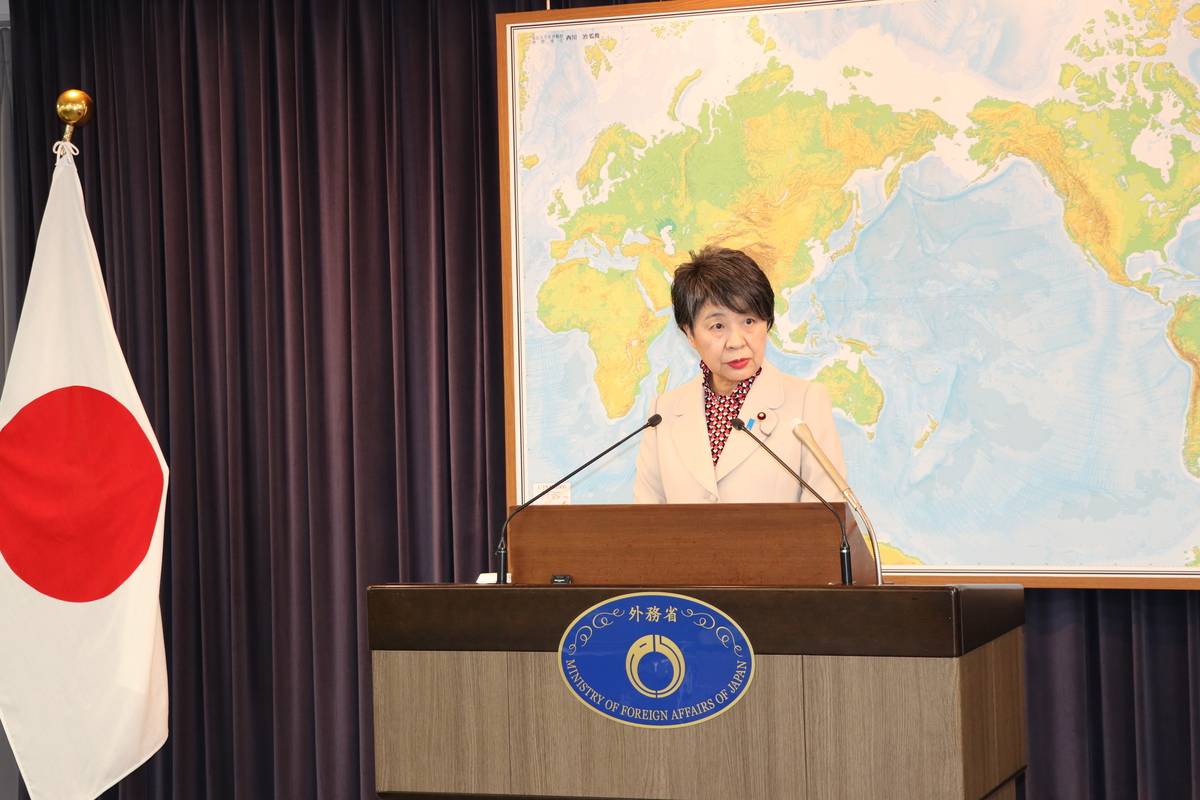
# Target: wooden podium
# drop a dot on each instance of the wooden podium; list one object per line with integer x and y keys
{"x": 683, "y": 544}
{"x": 859, "y": 692}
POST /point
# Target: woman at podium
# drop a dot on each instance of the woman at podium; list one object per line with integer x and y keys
{"x": 725, "y": 306}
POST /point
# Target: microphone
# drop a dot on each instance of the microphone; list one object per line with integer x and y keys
{"x": 805, "y": 435}
{"x": 502, "y": 548}
{"x": 844, "y": 553}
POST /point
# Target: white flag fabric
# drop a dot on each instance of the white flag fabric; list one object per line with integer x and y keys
{"x": 83, "y": 679}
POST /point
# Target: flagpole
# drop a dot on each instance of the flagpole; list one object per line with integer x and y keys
{"x": 74, "y": 107}
{"x": 83, "y": 485}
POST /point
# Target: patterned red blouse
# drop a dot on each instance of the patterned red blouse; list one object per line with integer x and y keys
{"x": 721, "y": 409}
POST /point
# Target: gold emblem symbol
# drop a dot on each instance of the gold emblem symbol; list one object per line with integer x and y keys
{"x": 653, "y": 643}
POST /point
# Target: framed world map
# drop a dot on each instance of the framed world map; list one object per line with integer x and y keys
{"x": 981, "y": 219}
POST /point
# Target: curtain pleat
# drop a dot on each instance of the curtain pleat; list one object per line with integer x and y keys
{"x": 1113, "y": 694}
{"x": 8, "y": 217}
{"x": 8, "y": 295}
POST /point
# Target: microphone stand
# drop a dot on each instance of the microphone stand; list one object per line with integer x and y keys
{"x": 861, "y": 514}
{"x": 805, "y": 435}
{"x": 844, "y": 550}
{"x": 502, "y": 548}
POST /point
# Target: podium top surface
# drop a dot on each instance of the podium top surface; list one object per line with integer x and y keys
{"x": 912, "y": 621}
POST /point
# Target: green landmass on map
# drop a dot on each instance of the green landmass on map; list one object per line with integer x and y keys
{"x": 616, "y": 142}
{"x": 680, "y": 88}
{"x": 893, "y": 556}
{"x": 856, "y": 345}
{"x": 577, "y": 297}
{"x": 1184, "y": 333}
{"x": 755, "y": 29}
{"x": 558, "y": 206}
{"x": 850, "y": 244}
{"x": 854, "y": 391}
{"x": 672, "y": 29}
{"x": 524, "y": 40}
{"x": 1192, "y": 15}
{"x": 925, "y": 434}
{"x": 596, "y": 55}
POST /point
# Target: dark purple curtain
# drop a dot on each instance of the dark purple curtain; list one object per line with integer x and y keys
{"x": 1113, "y": 694}
{"x": 295, "y": 204}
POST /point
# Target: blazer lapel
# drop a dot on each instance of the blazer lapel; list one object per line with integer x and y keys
{"x": 766, "y": 395}
{"x": 690, "y": 435}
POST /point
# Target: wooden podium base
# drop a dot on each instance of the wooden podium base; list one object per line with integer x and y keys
{"x": 944, "y": 722}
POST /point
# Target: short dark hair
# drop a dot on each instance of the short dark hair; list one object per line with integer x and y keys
{"x": 724, "y": 277}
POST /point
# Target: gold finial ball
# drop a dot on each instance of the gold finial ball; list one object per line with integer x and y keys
{"x": 74, "y": 106}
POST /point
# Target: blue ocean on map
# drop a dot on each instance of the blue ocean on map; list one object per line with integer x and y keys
{"x": 1056, "y": 393}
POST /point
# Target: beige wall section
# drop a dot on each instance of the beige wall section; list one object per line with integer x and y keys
{"x": 503, "y": 723}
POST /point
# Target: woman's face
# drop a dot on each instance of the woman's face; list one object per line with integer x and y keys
{"x": 729, "y": 343}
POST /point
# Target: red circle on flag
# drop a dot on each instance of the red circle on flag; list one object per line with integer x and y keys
{"x": 80, "y": 489}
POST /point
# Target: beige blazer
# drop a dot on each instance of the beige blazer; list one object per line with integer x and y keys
{"x": 674, "y": 463}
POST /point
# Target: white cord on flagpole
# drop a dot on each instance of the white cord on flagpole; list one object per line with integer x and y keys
{"x": 64, "y": 149}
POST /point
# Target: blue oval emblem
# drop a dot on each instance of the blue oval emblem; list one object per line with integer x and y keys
{"x": 656, "y": 660}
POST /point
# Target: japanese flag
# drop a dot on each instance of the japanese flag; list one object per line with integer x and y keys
{"x": 83, "y": 679}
